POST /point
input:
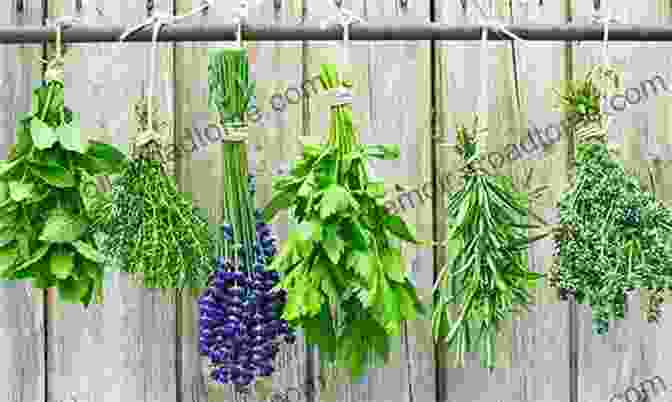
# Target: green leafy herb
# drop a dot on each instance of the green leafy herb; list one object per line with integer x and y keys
{"x": 231, "y": 92}
{"x": 346, "y": 279}
{"x": 45, "y": 226}
{"x": 486, "y": 274}
{"x": 617, "y": 238}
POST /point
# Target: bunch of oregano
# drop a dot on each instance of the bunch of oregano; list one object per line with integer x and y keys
{"x": 151, "y": 229}
{"x": 486, "y": 274}
{"x": 343, "y": 270}
{"x": 47, "y": 187}
{"x": 615, "y": 237}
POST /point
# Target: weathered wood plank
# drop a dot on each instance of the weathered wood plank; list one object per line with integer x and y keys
{"x": 515, "y": 80}
{"x": 391, "y": 105}
{"x": 22, "y": 322}
{"x": 272, "y": 141}
{"x": 633, "y": 350}
{"x": 123, "y": 349}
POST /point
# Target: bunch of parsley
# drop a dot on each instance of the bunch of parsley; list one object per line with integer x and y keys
{"x": 346, "y": 278}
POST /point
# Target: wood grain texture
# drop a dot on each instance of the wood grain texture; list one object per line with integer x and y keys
{"x": 273, "y": 140}
{"x": 22, "y": 340}
{"x": 633, "y": 350}
{"x": 519, "y": 86}
{"x": 391, "y": 106}
{"x": 124, "y": 349}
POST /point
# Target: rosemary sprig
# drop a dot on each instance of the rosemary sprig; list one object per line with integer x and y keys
{"x": 486, "y": 273}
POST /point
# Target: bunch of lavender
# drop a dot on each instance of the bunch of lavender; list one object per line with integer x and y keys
{"x": 240, "y": 325}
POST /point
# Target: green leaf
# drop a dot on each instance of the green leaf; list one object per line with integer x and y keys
{"x": 35, "y": 257}
{"x": 63, "y": 227}
{"x": 393, "y": 263}
{"x": 4, "y": 192}
{"x": 24, "y": 141}
{"x": 363, "y": 264}
{"x": 88, "y": 251}
{"x": 101, "y": 158}
{"x": 70, "y": 136}
{"x": 399, "y": 228}
{"x": 43, "y": 135}
{"x": 72, "y": 290}
{"x": 280, "y": 201}
{"x": 8, "y": 256}
{"x": 8, "y": 167}
{"x": 335, "y": 199}
{"x": 61, "y": 263}
{"x": 332, "y": 244}
{"x": 386, "y": 152}
{"x": 20, "y": 191}
{"x": 54, "y": 175}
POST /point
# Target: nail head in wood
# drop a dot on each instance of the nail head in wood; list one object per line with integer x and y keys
{"x": 403, "y": 4}
{"x": 277, "y": 5}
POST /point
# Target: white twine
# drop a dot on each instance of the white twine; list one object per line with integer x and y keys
{"x": 55, "y": 70}
{"x": 489, "y": 24}
{"x": 240, "y": 17}
{"x": 344, "y": 18}
{"x": 340, "y": 96}
{"x": 158, "y": 19}
{"x": 605, "y": 20}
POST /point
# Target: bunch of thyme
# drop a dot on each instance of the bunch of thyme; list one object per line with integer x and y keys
{"x": 150, "y": 228}
{"x": 614, "y": 236}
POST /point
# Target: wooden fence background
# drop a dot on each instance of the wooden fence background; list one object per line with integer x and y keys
{"x": 139, "y": 347}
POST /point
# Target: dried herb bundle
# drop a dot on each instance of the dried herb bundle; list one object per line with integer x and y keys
{"x": 486, "y": 274}
{"x": 46, "y": 190}
{"x": 152, "y": 229}
{"x": 347, "y": 282}
{"x": 615, "y": 237}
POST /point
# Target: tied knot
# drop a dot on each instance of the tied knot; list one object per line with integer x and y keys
{"x": 340, "y": 96}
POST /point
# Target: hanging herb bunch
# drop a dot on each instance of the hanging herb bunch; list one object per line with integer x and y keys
{"x": 240, "y": 325}
{"x": 151, "y": 229}
{"x": 486, "y": 274}
{"x": 615, "y": 237}
{"x": 47, "y": 188}
{"x": 343, "y": 270}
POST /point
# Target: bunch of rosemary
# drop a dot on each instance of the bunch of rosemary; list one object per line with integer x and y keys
{"x": 46, "y": 190}
{"x": 615, "y": 237}
{"x": 486, "y": 274}
{"x": 345, "y": 276}
{"x": 151, "y": 229}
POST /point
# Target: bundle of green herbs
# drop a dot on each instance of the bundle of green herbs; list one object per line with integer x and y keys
{"x": 47, "y": 189}
{"x": 151, "y": 229}
{"x": 231, "y": 92}
{"x": 346, "y": 279}
{"x": 615, "y": 236}
{"x": 486, "y": 274}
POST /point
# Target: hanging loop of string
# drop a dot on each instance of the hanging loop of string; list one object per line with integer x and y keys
{"x": 488, "y": 23}
{"x": 240, "y": 17}
{"x": 606, "y": 80}
{"x": 159, "y": 18}
{"x": 55, "y": 67}
{"x": 345, "y": 18}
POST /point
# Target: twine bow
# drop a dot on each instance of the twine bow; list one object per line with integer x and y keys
{"x": 157, "y": 20}
{"x": 56, "y": 66}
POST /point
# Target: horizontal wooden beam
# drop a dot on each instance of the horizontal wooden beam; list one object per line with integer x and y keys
{"x": 358, "y": 32}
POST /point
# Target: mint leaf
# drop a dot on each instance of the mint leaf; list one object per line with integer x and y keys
{"x": 54, "y": 175}
{"x": 88, "y": 251}
{"x": 399, "y": 228}
{"x": 61, "y": 263}
{"x": 20, "y": 191}
{"x": 43, "y": 135}
{"x": 70, "y": 136}
{"x": 63, "y": 227}
{"x": 332, "y": 244}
